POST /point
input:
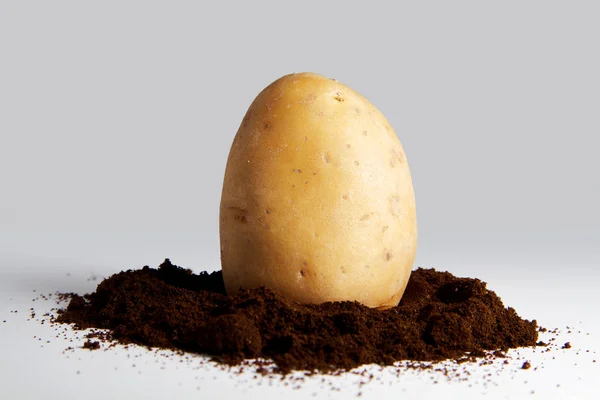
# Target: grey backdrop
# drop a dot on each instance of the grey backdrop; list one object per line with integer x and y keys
{"x": 116, "y": 120}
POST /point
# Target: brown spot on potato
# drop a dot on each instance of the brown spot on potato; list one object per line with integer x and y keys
{"x": 385, "y": 228}
{"x": 345, "y": 197}
{"x": 343, "y": 270}
{"x": 241, "y": 219}
{"x": 303, "y": 270}
{"x": 297, "y": 170}
{"x": 268, "y": 211}
{"x": 327, "y": 157}
{"x": 305, "y": 137}
{"x": 365, "y": 133}
{"x": 239, "y": 214}
{"x": 400, "y": 156}
{"x": 394, "y": 205}
{"x": 356, "y": 163}
{"x": 388, "y": 256}
{"x": 348, "y": 146}
{"x": 338, "y": 97}
{"x": 397, "y": 158}
{"x": 267, "y": 125}
{"x": 366, "y": 217}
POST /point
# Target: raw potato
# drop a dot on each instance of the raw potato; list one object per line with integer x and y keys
{"x": 317, "y": 201}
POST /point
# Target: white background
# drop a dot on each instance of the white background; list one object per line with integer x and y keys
{"x": 116, "y": 120}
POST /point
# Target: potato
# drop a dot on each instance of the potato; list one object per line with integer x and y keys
{"x": 317, "y": 202}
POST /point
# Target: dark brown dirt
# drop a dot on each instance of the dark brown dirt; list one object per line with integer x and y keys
{"x": 91, "y": 345}
{"x": 440, "y": 317}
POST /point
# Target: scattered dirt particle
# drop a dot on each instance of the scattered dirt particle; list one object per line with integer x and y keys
{"x": 91, "y": 345}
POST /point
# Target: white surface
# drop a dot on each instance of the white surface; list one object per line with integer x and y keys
{"x": 34, "y": 362}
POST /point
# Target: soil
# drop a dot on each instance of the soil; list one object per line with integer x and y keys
{"x": 439, "y": 317}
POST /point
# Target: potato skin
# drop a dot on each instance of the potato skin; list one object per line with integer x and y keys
{"x": 317, "y": 200}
